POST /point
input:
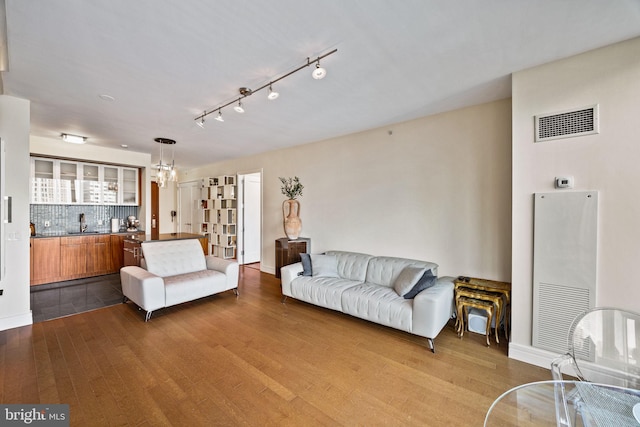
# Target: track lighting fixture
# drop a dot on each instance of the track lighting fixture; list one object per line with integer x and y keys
{"x": 272, "y": 94}
{"x": 318, "y": 73}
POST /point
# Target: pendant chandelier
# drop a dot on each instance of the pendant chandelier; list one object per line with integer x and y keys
{"x": 165, "y": 171}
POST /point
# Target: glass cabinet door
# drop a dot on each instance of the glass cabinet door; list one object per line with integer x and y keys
{"x": 129, "y": 186}
{"x": 67, "y": 182}
{"x": 110, "y": 185}
{"x": 42, "y": 183}
{"x": 91, "y": 188}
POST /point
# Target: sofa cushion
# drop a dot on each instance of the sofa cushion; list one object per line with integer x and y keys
{"x": 426, "y": 281}
{"x": 324, "y": 266}
{"x": 306, "y": 264}
{"x": 384, "y": 270}
{"x": 351, "y": 265}
{"x": 407, "y": 279}
{"x": 187, "y": 287}
{"x": 379, "y": 304}
{"x": 174, "y": 257}
{"x": 322, "y": 291}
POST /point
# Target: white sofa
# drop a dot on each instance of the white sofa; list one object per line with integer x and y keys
{"x": 364, "y": 287}
{"x": 176, "y": 271}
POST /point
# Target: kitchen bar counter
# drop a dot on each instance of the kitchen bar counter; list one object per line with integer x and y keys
{"x": 132, "y": 244}
{"x": 165, "y": 236}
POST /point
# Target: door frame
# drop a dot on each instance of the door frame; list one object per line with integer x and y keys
{"x": 241, "y": 214}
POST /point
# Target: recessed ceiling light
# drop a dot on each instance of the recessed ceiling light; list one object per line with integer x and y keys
{"x": 106, "y": 97}
{"x": 124, "y": 146}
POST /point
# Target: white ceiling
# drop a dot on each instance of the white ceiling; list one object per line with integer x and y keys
{"x": 165, "y": 62}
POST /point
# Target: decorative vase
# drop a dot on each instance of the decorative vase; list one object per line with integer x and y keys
{"x": 292, "y": 221}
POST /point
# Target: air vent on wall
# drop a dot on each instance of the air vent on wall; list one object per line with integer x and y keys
{"x": 566, "y": 124}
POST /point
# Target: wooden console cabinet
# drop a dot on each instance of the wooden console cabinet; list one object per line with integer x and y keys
{"x": 288, "y": 251}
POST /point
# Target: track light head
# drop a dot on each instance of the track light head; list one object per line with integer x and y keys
{"x": 272, "y": 94}
{"x": 219, "y": 116}
{"x": 201, "y": 122}
{"x": 319, "y": 73}
{"x": 239, "y": 108}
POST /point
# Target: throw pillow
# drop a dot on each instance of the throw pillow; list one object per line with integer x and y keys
{"x": 426, "y": 281}
{"x": 306, "y": 264}
{"x": 324, "y": 266}
{"x": 407, "y": 278}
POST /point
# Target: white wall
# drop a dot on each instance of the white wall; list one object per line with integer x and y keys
{"x": 14, "y": 130}
{"x": 436, "y": 189}
{"x": 93, "y": 153}
{"x": 606, "y": 162}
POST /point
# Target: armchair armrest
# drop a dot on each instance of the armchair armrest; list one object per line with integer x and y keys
{"x": 228, "y": 267}
{"x": 142, "y": 287}
{"x": 287, "y": 274}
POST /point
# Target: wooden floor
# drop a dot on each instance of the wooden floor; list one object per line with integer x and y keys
{"x": 252, "y": 361}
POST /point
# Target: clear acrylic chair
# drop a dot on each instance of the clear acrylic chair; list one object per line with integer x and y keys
{"x": 603, "y": 347}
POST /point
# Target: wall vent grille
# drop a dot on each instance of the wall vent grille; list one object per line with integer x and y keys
{"x": 567, "y": 124}
{"x": 558, "y": 306}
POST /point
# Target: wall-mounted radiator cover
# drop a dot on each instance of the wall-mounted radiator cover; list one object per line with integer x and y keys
{"x": 564, "y": 264}
{"x": 567, "y": 124}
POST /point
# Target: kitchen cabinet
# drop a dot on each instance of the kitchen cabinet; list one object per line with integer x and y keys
{"x": 85, "y": 256}
{"x": 73, "y": 257}
{"x": 117, "y": 252}
{"x": 55, "y": 181}
{"x": 46, "y": 260}
{"x": 98, "y": 255}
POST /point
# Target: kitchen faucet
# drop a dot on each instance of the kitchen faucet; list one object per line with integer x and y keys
{"x": 83, "y": 223}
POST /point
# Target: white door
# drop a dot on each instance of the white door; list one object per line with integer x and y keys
{"x": 249, "y": 230}
{"x": 188, "y": 198}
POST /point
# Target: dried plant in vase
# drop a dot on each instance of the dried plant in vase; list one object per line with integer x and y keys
{"x": 292, "y": 188}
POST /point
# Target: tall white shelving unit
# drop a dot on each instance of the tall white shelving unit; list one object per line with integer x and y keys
{"x": 219, "y": 207}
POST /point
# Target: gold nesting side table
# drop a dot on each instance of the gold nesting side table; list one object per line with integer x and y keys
{"x": 489, "y": 295}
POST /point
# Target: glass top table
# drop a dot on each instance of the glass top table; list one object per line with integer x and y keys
{"x": 565, "y": 404}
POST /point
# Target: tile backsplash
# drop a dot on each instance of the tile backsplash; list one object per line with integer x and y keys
{"x": 66, "y": 218}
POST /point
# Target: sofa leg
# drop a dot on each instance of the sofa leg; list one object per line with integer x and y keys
{"x": 236, "y": 291}
{"x": 148, "y": 316}
{"x": 284, "y": 298}
{"x": 432, "y": 345}
{"x": 125, "y": 299}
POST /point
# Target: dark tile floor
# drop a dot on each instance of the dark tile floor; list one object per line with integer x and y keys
{"x": 53, "y": 300}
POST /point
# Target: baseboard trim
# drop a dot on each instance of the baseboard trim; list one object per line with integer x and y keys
{"x": 532, "y": 355}
{"x": 267, "y": 269}
{"x": 16, "y": 321}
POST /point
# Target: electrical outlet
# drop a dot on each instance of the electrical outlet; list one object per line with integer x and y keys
{"x": 47, "y": 223}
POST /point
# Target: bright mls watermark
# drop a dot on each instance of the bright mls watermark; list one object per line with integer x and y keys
{"x": 34, "y": 415}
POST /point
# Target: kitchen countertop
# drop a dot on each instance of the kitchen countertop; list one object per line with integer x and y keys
{"x": 166, "y": 236}
{"x": 86, "y": 233}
